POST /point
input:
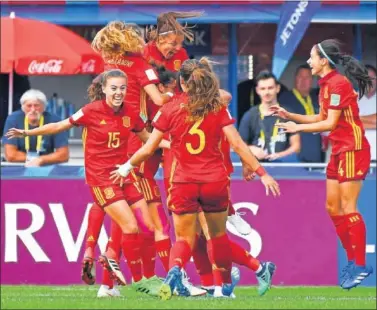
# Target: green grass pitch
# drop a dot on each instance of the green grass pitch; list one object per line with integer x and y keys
{"x": 84, "y": 297}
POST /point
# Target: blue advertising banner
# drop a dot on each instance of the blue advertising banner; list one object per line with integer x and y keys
{"x": 294, "y": 20}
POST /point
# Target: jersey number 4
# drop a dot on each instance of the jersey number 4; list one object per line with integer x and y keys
{"x": 194, "y": 130}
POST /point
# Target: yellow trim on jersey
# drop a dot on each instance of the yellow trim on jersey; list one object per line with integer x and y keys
{"x": 146, "y": 183}
{"x": 356, "y": 129}
{"x": 84, "y": 136}
{"x": 143, "y": 105}
{"x": 98, "y": 194}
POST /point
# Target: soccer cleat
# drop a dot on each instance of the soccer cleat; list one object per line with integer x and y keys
{"x": 227, "y": 289}
{"x": 88, "y": 268}
{"x": 239, "y": 223}
{"x": 264, "y": 277}
{"x": 357, "y": 274}
{"x": 152, "y": 285}
{"x": 112, "y": 266}
{"x": 104, "y": 292}
{"x": 209, "y": 289}
{"x": 345, "y": 272}
{"x": 193, "y": 290}
{"x": 173, "y": 280}
{"x": 140, "y": 286}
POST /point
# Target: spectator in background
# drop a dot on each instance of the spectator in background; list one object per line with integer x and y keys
{"x": 257, "y": 126}
{"x": 247, "y": 95}
{"x": 302, "y": 99}
{"x": 367, "y": 110}
{"x": 20, "y": 85}
{"x": 34, "y": 151}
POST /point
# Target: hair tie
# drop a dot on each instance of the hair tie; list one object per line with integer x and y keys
{"x": 324, "y": 54}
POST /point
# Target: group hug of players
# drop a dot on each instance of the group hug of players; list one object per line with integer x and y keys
{"x": 153, "y": 105}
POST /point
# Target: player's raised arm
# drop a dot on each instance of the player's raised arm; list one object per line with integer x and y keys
{"x": 48, "y": 129}
{"x": 240, "y": 147}
{"x": 298, "y": 118}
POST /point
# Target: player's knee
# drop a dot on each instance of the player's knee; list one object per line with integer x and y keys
{"x": 348, "y": 206}
{"x": 130, "y": 228}
{"x": 332, "y": 207}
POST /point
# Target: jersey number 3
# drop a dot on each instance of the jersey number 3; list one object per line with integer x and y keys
{"x": 194, "y": 130}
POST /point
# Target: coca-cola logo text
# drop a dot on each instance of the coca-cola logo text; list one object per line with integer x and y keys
{"x": 50, "y": 66}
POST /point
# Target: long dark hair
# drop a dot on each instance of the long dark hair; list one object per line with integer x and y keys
{"x": 354, "y": 70}
{"x": 95, "y": 92}
{"x": 164, "y": 75}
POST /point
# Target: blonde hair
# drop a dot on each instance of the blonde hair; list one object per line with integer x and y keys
{"x": 167, "y": 24}
{"x": 117, "y": 39}
{"x": 202, "y": 88}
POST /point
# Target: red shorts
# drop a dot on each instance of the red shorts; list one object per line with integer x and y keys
{"x": 106, "y": 195}
{"x": 349, "y": 166}
{"x": 196, "y": 197}
{"x": 150, "y": 189}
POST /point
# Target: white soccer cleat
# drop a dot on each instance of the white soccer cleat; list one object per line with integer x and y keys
{"x": 239, "y": 223}
{"x": 105, "y": 292}
{"x": 194, "y": 291}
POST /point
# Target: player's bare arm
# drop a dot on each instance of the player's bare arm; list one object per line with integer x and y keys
{"x": 158, "y": 98}
{"x": 326, "y": 125}
{"x": 146, "y": 151}
{"x": 298, "y": 118}
{"x": 48, "y": 129}
{"x": 240, "y": 147}
{"x": 144, "y": 136}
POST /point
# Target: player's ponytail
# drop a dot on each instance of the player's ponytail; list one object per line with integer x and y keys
{"x": 167, "y": 24}
{"x": 202, "y": 89}
{"x": 95, "y": 91}
{"x": 354, "y": 70}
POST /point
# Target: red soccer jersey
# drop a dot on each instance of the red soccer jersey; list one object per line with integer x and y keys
{"x": 139, "y": 74}
{"x": 195, "y": 146}
{"x": 337, "y": 93}
{"x": 152, "y": 54}
{"x": 105, "y": 138}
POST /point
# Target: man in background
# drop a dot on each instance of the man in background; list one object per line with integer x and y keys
{"x": 302, "y": 99}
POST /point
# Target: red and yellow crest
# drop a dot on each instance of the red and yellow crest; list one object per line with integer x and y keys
{"x": 126, "y": 121}
{"x": 177, "y": 65}
{"x": 109, "y": 192}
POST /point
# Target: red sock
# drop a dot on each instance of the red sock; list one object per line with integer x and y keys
{"x": 201, "y": 261}
{"x": 95, "y": 221}
{"x": 180, "y": 254}
{"x": 148, "y": 255}
{"x": 219, "y": 251}
{"x": 231, "y": 210}
{"x": 163, "y": 248}
{"x": 114, "y": 245}
{"x": 242, "y": 257}
{"x": 131, "y": 245}
{"x": 357, "y": 233}
{"x": 341, "y": 226}
{"x": 106, "y": 280}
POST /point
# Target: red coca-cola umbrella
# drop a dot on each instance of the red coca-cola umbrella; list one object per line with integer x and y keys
{"x": 32, "y": 47}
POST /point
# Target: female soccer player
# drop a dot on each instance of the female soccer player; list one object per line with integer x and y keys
{"x": 199, "y": 180}
{"x": 350, "y": 158}
{"x": 107, "y": 126}
{"x": 121, "y": 46}
{"x": 165, "y": 48}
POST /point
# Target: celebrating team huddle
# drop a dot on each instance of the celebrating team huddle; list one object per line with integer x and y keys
{"x": 154, "y": 106}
